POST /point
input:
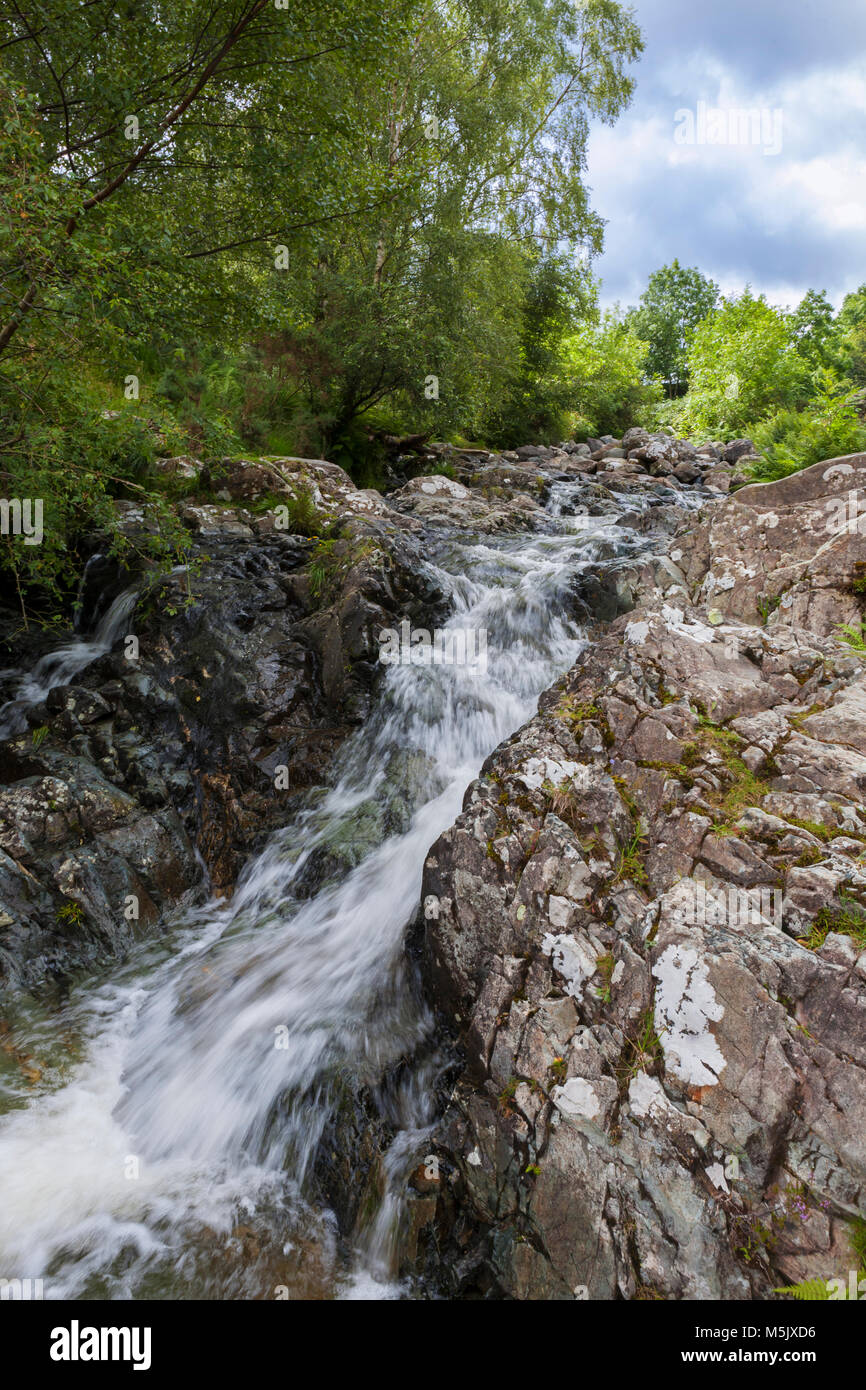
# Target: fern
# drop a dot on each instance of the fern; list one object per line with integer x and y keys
{"x": 818, "y": 1290}
{"x": 855, "y": 637}
{"x": 809, "y": 1291}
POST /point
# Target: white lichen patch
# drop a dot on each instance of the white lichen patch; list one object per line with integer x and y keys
{"x": 648, "y": 1101}
{"x": 676, "y": 624}
{"x": 560, "y": 911}
{"x": 646, "y": 1097}
{"x": 571, "y": 959}
{"x": 538, "y": 770}
{"x": 636, "y": 633}
{"x": 576, "y": 1099}
{"x": 431, "y": 909}
{"x": 365, "y": 501}
{"x": 685, "y": 1007}
{"x": 837, "y": 470}
{"x": 438, "y": 485}
{"x": 717, "y": 584}
{"x": 716, "y": 1174}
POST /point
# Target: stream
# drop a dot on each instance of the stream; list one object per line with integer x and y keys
{"x": 164, "y": 1143}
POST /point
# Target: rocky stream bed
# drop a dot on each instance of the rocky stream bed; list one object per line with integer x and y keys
{"x": 541, "y": 978}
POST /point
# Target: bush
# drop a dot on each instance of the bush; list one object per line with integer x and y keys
{"x": 605, "y": 367}
{"x": 742, "y": 365}
{"x": 77, "y": 457}
{"x": 794, "y": 439}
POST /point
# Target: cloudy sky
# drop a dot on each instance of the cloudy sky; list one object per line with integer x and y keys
{"x": 783, "y": 221}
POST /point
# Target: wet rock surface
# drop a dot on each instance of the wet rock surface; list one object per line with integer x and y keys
{"x": 260, "y": 654}
{"x": 149, "y": 781}
{"x": 646, "y": 935}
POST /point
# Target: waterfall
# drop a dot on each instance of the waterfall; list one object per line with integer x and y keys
{"x": 60, "y": 667}
{"x": 170, "y": 1156}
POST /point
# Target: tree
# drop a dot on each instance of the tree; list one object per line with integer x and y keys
{"x": 610, "y": 383}
{"x": 534, "y": 401}
{"x": 673, "y": 304}
{"x": 811, "y": 326}
{"x": 743, "y": 364}
{"x": 110, "y": 93}
{"x": 849, "y": 337}
{"x": 292, "y": 216}
{"x": 176, "y": 150}
{"x": 475, "y": 138}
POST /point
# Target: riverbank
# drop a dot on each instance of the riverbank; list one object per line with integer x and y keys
{"x": 259, "y": 1040}
{"x": 647, "y": 934}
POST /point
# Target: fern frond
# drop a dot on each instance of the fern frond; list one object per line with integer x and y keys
{"x": 809, "y": 1291}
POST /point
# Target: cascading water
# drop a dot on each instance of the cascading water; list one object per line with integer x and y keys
{"x": 169, "y": 1157}
{"x": 63, "y": 665}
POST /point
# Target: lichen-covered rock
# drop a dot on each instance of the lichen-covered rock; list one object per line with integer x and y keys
{"x": 646, "y": 933}
{"x": 440, "y": 500}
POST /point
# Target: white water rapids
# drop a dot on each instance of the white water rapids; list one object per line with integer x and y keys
{"x": 163, "y": 1143}
{"x": 60, "y": 667}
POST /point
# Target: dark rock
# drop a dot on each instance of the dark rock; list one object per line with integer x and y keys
{"x": 737, "y": 449}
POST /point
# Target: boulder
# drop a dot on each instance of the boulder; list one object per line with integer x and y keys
{"x": 737, "y": 449}
{"x": 627, "y": 930}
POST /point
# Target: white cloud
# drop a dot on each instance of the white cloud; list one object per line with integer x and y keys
{"x": 782, "y": 222}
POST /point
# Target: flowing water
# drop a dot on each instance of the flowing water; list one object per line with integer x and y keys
{"x": 62, "y": 665}
{"x": 159, "y": 1140}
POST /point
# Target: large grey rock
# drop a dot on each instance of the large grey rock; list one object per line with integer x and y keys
{"x": 664, "y": 1086}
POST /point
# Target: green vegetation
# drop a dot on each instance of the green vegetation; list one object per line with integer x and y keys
{"x": 829, "y": 427}
{"x": 791, "y": 380}
{"x": 745, "y": 790}
{"x": 841, "y": 1286}
{"x": 610, "y": 382}
{"x": 558, "y": 1070}
{"x": 630, "y": 863}
{"x": 70, "y": 913}
{"x": 303, "y": 516}
{"x": 853, "y": 636}
{"x": 814, "y": 827}
{"x": 675, "y": 301}
{"x": 186, "y": 270}
{"x": 643, "y": 1050}
{"x": 606, "y": 965}
{"x": 848, "y": 919}
{"x": 331, "y": 561}
{"x": 768, "y": 605}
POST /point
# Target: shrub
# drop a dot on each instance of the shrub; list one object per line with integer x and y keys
{"x": 605, "y": 367}
{"x": 742, "y": 365}
{"x": 794, "y": 439}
